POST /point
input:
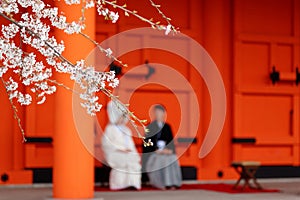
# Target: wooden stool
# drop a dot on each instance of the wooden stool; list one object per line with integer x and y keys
{"x": 247, "y": 171}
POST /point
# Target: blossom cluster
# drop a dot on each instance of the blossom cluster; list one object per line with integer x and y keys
{"x": 34, "y": 74}
{"x": 108, "y": 14}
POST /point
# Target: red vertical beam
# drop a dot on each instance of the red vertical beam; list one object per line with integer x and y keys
{"x": 6, "y": 132}
{"x": 73, "y": 171}
{"x": 217, "y": 40}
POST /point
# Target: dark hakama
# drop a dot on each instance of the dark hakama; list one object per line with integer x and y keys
{"x": 163, "y": 170}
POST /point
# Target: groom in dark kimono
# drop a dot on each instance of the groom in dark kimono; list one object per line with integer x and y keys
{"x": 160, "y": 161}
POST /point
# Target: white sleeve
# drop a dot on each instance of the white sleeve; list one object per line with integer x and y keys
{"x": 112, "y": 140}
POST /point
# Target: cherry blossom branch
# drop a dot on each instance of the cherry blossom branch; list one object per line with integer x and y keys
{"x": 155, "y": 25}
{"x": 132, "y": 119}
{"x": 16, "y": 116}
{"x": 63, "y": 86}
{"x": 157, "y": 7}
{"x": 103, "y": 50}
{"x": 168, "y": 20}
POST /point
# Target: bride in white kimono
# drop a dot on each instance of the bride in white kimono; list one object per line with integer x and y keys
{"x": 120, "y": 152}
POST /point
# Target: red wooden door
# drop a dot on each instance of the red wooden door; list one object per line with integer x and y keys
{"x": 266, "y": 34}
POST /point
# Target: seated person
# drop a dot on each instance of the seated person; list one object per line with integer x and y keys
{"x": 160, "y": 160}
{"x": 120, "y": 152}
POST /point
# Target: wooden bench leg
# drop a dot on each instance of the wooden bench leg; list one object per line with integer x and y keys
{"x": 250, "y": 172}
{"x": 240, "y": 172}
{"x": 258, "y": 186}
{"x": 237, "y": 183}
{"x": 246, "y": 184}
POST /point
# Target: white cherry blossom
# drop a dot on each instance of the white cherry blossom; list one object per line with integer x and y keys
{"x": 114, "y": 16}
{"x": 168, "y": 29}
{"x": 70, "y": 2}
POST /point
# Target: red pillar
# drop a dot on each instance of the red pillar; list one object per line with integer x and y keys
{"x": 217, "y": 42}
{"x": 11, "y": 146}
{"x": 73, "y": 170}
{"x": 6, "y": 132}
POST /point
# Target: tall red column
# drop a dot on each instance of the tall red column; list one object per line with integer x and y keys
{"x": 73, "y": 170}
{"x": 11, "y": 146}
{"x": 217, "y": 42}
{"x": 6, "y": 139}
